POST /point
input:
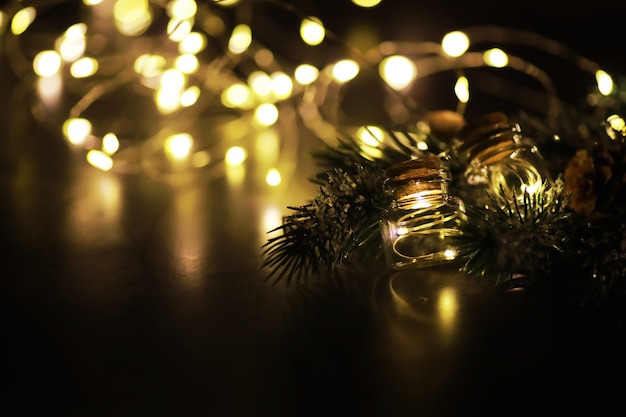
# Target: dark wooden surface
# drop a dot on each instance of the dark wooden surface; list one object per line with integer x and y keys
{"x": 152, "y": 303}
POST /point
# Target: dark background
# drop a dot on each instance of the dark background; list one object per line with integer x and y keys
{"x": 110, "y": 316}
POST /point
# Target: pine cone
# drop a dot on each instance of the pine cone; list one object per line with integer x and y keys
{"x": 595, "y": 178}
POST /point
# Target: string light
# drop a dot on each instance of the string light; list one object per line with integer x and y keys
{"x": 207, "y": 64}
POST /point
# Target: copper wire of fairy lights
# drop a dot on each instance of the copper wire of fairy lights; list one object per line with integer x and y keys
{"x": 216, "y": 94}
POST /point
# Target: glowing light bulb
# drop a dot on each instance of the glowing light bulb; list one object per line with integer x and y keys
{"x": 193, "y": 43}
{"x": 281, "y": 85}
{"x": 110, "y": 143}
{"x": 398, "y": 71}
{"x": 47, "y": 63}
{"x": 312, "y": 31}
{"x": 99, "y": 160}
{"x": 190, "y": 96}
{"x": 73, "y": 43}
{"x": 182, "y": 9}
{"x": 366, "y": 3}
{"x": 132, "y": 17}
{"x": 187, "y": 63}
{"x": 370, "y": 135}
{"x": 266, "y": 114}
{"x": 178, "y": 145}
{"x": 22, "y": 20}
{"x": 237, "y": 96}
{"x": 240, "y": 39}
{"x": 84, "y": 67}
{"x": 306, "y": 74}
{"x": 461, "y": 89}
{"x": 178, "y": 29}
{"x": 77, "y": 130}
{"x": 345, "y": 70}
{"x": 235, "y": 156}
{"x": 496, "y": 58}
{"x": 273, "y": 177}
{"x": 261, "y": 83}
{"x": 455, "y": 43}
{"x": 605, "y": 82}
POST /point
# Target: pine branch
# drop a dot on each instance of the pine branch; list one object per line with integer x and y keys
{"x": 519, "y": 240}
{"x": 340, "y": 221}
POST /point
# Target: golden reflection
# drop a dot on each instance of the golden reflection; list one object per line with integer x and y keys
{"x": 447, "y": 308}
{"x": 189, "y": 238}
{"x": 49, "y": 90}
{"x": 427, "y": 295}
{"x": 96, "y": 212}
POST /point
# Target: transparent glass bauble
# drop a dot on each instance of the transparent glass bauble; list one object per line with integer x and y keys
{"x": 420, "y": 224}
{"x": 501, "y": 161}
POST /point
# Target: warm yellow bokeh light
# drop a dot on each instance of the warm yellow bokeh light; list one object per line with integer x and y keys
{"x": 22, "y": 20}
{"x": 47, "y": 63}
{"x": 149, "y": 65}
{"x": 370, "y": 135}
{"x": 73, "y": 43}
{"x": 398, "y": 71}
{"x": 461, "y": 89}
{"x": 345, "y": 70}
{"x": 92, "y": 2}
{"x": 84, "y": 67}
{"x": 193, "y": 43}
{"x": 178, "y": 146}
{"x": 260, "y": 83}
{"x": 173, "y": 79}
{"x": 190, "y": 96}
{"x": 273, "y": 177}
{"x": 312, "y": 31}
{"x": 237, "y": 96}
{"x": 305, "y": 74}
{"x": 226, "y": 2}
{"x": 266, "y": 114}
{"x": 187, "y": 63}
{"x": 178, "y": 29}
{"x": 99, "y": 160}
{"x": 167, "y": 100}
{"x": 110, "y": 143}
{"x": 366, "y": 3}
{"x": 241, "y": 39}
{"x": 616, "y": 126}
{"x": 132, "y": 17}
{"x": 235, "y": 155}
{"x": 182, "y": 9}
{"x": 455, "y": 43}
{"x": 605, "y": 82}
{"x": 77, "y": 130}
{"x": 496, "y": 58}
{"x": 282, "y": 86}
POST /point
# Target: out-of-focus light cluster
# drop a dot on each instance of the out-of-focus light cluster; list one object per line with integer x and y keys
{"x": 194, "y": 64}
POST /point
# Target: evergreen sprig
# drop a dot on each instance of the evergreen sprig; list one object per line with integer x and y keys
{"x": 343, "y": 219}
{"x": 540, "y": 241}
{"x": 516, "y": 242}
